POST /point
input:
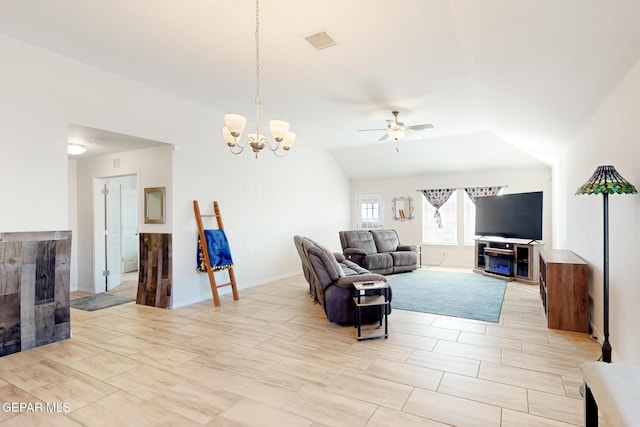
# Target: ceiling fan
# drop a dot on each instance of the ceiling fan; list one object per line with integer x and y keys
{"x": 396, "y": 130}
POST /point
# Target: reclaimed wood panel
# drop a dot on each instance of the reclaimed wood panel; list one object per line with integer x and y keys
{"x": 45, "y": 271}
{"x": 34, "y": 289}
{"x": 154, "y": 275}
{"x": 45, "y": 323}
{"x": 63, "y": 283}
{"x": 10, "y": 260}
{"x": 28, "y": 305}
{"x": 9, "y": 324}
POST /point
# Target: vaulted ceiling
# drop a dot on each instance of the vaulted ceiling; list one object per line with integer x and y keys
{"x": 504, "y": 82}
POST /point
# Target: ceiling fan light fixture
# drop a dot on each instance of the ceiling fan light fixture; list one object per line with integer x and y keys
{"x": 396, "y": 134}
{"x": 397, "y": 130}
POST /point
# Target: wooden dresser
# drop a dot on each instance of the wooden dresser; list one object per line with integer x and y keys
{"x": 564, "y": 290}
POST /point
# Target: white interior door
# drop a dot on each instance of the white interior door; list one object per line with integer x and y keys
{"x": 129, "y": 209}
{"x": 113, "y": 235}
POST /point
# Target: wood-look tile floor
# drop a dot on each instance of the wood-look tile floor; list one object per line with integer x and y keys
{"x": 273, "y": 359}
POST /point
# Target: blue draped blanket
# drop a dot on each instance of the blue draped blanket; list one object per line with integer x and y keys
{"x": 219, "y": 252}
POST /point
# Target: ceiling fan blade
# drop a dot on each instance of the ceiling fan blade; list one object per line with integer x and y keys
{"x": 367, "y": 130}
{"x": 410, "y": 134}
{"x": 420, "y": 127}
{"x": 384, "y": 137}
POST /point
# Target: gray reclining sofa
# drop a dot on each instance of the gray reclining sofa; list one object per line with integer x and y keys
{"x": 379, "y": 251}
{"x": 331, "y": 277}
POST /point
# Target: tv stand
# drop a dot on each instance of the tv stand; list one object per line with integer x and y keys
{"x": 508, "y": 259}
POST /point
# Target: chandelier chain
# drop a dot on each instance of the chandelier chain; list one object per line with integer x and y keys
{"x": 257, "y": 36}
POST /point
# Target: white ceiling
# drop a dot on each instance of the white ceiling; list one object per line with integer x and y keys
{"x": 505, "y": 82}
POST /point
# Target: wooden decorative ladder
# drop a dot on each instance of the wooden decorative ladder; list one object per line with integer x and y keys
{"x": 205, "y": 250}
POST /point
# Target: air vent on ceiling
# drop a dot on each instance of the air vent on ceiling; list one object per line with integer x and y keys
{"x": 321, "y": 40}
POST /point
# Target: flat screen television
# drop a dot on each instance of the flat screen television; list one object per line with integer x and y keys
{"x": 516, "y": 215}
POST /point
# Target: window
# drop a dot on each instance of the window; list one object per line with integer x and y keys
{"x": 448, "y": 234}
{"x": 369, "y": 212}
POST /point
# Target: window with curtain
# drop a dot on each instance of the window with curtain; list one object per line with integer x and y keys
{"x": 444, "y": 231}
{"x": 449, "y": 215}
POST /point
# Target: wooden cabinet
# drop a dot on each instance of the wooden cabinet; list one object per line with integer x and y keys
{"x": 564, "y": 290}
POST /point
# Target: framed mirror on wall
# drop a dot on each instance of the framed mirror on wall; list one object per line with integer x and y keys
{"x": 154, "y": 205}
{"x": 402, "y": 208}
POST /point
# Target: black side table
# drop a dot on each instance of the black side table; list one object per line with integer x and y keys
{"x": 378, "y": 299}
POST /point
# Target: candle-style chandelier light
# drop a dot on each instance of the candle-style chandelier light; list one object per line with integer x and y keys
{"x": 234, "y": 124}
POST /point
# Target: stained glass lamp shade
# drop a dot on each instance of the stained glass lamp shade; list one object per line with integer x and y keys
{"x": 606, "y": 180}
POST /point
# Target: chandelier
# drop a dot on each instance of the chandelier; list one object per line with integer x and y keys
{"x": 234, "y": 124}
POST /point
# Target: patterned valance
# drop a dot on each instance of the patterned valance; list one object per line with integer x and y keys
{"x": 474, "y": 192}
{"x": 437, "y": 198}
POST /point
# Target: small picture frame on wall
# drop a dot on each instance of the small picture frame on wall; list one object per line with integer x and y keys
{"x": 154, "y": 205}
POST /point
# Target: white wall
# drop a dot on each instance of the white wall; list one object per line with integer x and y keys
{"x": 264, "y": 202}
{"x": 410, "y": 232}
{"x": 611, "y": 137}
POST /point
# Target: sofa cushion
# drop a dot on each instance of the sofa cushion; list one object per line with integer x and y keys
{"x": 378, "y": 262}
{"x": 327, "y": 262}
{"x": 385, "y": 240}
{"x": 360, "y": 239}
{"x": 307, "y": 244}
{"x": 404, "y": 258}
{"x": 351, "y": 268}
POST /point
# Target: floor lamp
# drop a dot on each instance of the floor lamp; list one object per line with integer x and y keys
{"x": 606, "y": 180}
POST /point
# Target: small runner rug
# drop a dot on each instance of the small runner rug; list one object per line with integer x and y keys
{"x": 98, "y": 302}
{"x": 467, "y": 295}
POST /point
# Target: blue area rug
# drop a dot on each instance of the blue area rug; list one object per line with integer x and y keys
{"x": 468, "y": 295}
